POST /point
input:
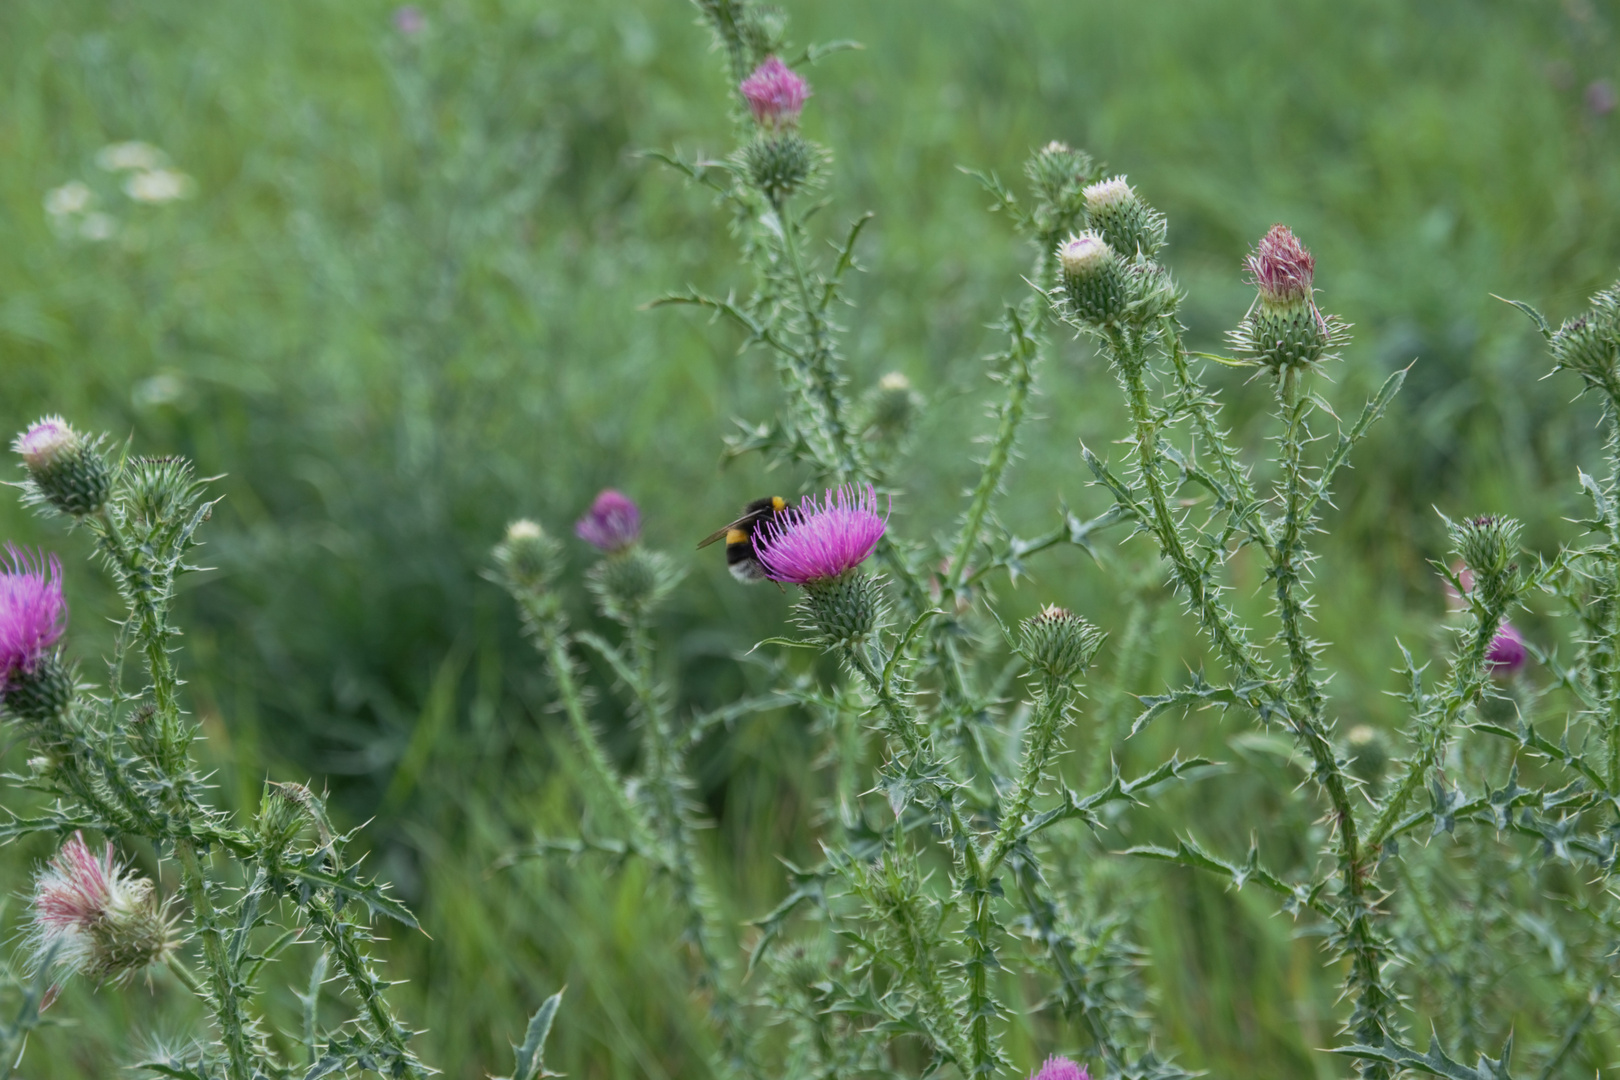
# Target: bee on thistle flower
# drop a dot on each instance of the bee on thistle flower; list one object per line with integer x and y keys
{"x": 741, "y": 560}
{"x": 820, "y": 546}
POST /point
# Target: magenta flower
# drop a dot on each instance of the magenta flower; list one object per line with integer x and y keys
{"x": 818, "y": 541}
{"x": 612, "y": 524}
{"x": 33, "y": 613}
{"x": 1061, "y": 1068}
{"x": 1601, "y": 98}
{"x": 1281, "y": 268}
{"x": 94, "y": 917}
{"x": 409, "y": 20}
{"x": 775, "y": 93}
{"x": 1507, "y": 653}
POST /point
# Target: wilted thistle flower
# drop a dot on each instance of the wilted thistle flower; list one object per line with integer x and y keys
{"x": 1094, "y": 282}
{"x": 820, "y": 546}
{"x": 1058, "y": 643}
{"x": 1589, "y": 344}
{"x": 1506, "y": 654}
{"x": 1117, "y": 213}
{"x": 69, "y": 471}
{"x": 775, "y": 94}
{"x": 612, "y": 524}
{"x": 1284, "y": 329}
{"x": 95, "y": 918}
{"x": 35, "y": 683}
{"x": 1061, "y": 1068}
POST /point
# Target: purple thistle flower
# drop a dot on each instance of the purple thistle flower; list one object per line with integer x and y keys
{"x": 1507, "y": 653}
{"x": 775, "y": 93}
{"x": 1281, "y": 268}
{"x": 1061, "y": 1068}
{"x": 33, "y": 613}
{"x": 409, "y": 20}
{"x": 818, "y": 541}
{"x": 612, "y": 524}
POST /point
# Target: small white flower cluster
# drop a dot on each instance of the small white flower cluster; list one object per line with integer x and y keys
{"x": 146, "y": 176}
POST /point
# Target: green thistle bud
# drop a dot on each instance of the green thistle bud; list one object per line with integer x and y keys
{"x": 1589, "y": 344}
{"x": 527, "y": 558}
{"x": 630, "y": 583}
{"x": 1094, "y": 282}
{"x": 284, "y": 810}
{"x": 1487, "y": 544}
{"x": 764, "y": 28}
{"x": 1058, "y": 174}
{"x": 779, "y": 164}
{"x": 1058, "y": 643}
{"x": 888, "y": 409}
{"x": 68, "y": 471}
{"x": 842, "y": 610}
{"x": 1119, "y": 216}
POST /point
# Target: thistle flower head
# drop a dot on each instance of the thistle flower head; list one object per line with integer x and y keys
{"x": 1507, "y": 653}
{"x": 1061, "y": 1068}
{"x": 68, "y": 470}
{"x": 528, "y": 559}
{"x": 1084, "y": 254}
{"x": 612, "y": 524}
{"x": 46, "y": 442}
{"x": 775, "y": 93}
{"x": 33, "y": 613}
{"x": 817, "y": 541}
{"x": 1094, "y": 282}
{"x": 95, "y": 917}
{"x": 1115, "y": 191}
{"x": 1281, "y": 268}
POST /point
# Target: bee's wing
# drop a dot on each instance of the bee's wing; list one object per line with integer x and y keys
{"x": 719, "y": 534}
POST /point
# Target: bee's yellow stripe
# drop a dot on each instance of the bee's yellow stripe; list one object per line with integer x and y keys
{"x": 736, "y": 536}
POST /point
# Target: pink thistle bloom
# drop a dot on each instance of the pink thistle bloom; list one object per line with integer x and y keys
{"x": 33, "y": 612}
{"x": 1507, "y": 653}
{"x": 612, "y": 524}
{"x": 1281, "y": 268}
{"x": 95, "y": 917}
{"x": 818, "y": 541}
{"x": 1061, "y": 1068}
{"x": 775, "y": 93}
{"x": 45, "y": 442}
{"x": 409, "y": 20}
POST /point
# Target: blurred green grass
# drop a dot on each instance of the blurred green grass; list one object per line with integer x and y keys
{"x": 402, "y": 308}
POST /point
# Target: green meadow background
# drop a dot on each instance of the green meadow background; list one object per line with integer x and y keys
{"x": 403, "y": 305}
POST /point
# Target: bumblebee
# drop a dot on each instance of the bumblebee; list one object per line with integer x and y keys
{"x": 739, "y": 538}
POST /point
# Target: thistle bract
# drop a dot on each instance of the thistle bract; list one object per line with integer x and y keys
{"x": 775, "y": 93}
{"x": 95, "y": 918}
{"x": 612, "y": 523}
{"x": 1130, "y": 226}
{"x": 1093, "y": 281}
{"x": 779, "y": 165}
{"x": 69, "y": 471}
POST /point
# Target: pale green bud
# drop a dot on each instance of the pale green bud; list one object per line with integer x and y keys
{"x": 1058, "y": 643}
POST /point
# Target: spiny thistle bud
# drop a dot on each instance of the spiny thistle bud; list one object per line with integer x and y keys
{"x": 1487, "y": 544}
{"x": 1369, "y": 754}
{"x": 1058, "y": 643}
{"x": 161, "y": 489}
{"x": 1094, "y": 282}
{"x": 775, "y": 94}
{"x": 527, "y": 557}
{"x": 889, "y": 408}
{"x": 1131, "y": 226}
{"x": 612, "y": 524}
{"x": 1059, "y": 173}
{"x": 820, "y": 546}
{"x": 1284, "y": 329}
{"x": 1506, "y": 654}
{"x": 97, "y": 918}
{"x": 763, "y": 28}
{"x": 1060, "y": 1068}
{"x": 69, "y": 471}
{"x": 629, "y": 584}
{"x": 37, "y": 685}
{"x": 779, "y": 165}
{"x": 1589, "y": 344}
{"x": 284, "y": 810}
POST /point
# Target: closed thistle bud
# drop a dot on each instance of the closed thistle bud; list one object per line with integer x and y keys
{"x": 631, "y": 583}
{"x": 889, "y": 408}
{"x": 69, "y": 471}
{"x": 1058, "y": 643}
{"x": 1487, "y": 544}
{"x": 1284, "y": 329}
{"x": 780, "y": 164}
{"x": 1131, "y": 226}
{"x": 284, "y": 809}
{"x": 1589, "y": 344}
{"x": 1094, "y": 282}
{"x": 1059, "y": 174}
{"x": 528, "y": 559}
{"x": 96, "y": 918}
